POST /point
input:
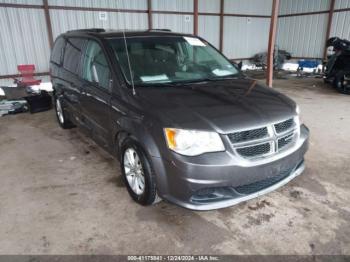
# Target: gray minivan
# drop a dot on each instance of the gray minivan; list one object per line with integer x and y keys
{"x": 186, "y": 125}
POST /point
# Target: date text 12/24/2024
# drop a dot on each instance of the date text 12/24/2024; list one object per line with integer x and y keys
{"x": 173, "y": 258}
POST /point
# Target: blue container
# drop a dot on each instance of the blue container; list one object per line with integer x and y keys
{"x": 308, "y": 63}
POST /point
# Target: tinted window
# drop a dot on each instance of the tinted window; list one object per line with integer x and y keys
{"x": 73, "y": 53}
{"x": 95, "y": 67}
{"x": 56, "y": 55}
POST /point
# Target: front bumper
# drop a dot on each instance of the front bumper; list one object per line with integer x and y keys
{"x": 218, "y": 180}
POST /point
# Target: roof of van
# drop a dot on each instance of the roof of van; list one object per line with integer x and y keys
{"x": 99, "y": 32}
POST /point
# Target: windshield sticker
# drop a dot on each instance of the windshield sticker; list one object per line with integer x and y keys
{"x": 194, "y": 41}
{"x": 220, "y": 72}
{"x": 156, "y": 78}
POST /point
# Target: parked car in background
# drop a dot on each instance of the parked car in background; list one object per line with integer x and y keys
{"x": 185, "y": 123}
{"x": 338, "y": 66}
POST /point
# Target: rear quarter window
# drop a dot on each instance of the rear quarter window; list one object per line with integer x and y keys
{"x": 72, "y": 54}
{"x": 57, "y": 51}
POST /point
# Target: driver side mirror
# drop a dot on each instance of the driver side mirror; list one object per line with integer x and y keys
{"x": 239, "y": 65}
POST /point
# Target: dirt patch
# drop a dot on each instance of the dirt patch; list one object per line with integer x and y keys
{"x": 258, "y": 220}
{"x": 312, "y": 185}
{"x": 260, "y": 205}
{"x": 295, "y": 194}
{"x": 7, "y": 141}
{"x": 194, "y": 232}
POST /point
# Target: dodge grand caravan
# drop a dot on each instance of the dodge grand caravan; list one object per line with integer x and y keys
{"x": 186, "y": 125}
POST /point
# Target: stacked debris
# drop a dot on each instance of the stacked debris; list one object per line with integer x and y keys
{"x": 15, "y": 100}
{"x": 279, "y": 56}
{"x": 12, "y": 107}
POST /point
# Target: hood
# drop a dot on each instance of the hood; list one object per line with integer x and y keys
{"x": 222, "y": 106}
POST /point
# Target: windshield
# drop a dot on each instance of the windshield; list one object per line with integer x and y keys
{"x": 172, "y": 59}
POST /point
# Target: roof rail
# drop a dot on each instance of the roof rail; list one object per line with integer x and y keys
{"x": 160, "y": 29}
{"x": 89, "y": 30}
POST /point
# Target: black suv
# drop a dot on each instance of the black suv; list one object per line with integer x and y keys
{"x": 186, "y": 125}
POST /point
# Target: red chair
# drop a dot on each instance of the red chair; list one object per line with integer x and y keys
{"x": 27, "y": 74}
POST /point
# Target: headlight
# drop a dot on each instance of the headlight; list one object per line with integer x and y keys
{"x": 192, "y": 142}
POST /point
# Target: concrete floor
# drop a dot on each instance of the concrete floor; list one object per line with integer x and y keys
{"x": 61, "y": 194}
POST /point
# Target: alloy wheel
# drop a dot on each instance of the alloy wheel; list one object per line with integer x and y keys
{"x": 59, "y": 111}
{"x": 134, "y": 171}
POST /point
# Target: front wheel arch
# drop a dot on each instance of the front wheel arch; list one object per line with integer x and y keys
{"x": 150, "y": 195}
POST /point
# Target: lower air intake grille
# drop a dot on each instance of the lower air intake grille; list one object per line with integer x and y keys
{"x": 255, "y": 150}
{"x": 260, "y": 185}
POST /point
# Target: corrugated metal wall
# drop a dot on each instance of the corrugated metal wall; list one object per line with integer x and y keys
{"x": 173, "y": 5}
{"x": 303, "y": 6}
{"x": 24, "y": 37}
{"x": 342, "y": 4}
{"x": 209, "y": 6}
{"x": 249, "y": 7}
{"x": 209, "y": 29}
{"x": 341, "y": 24}
{"x": 242, "y": 36}
{"x": 246, "y": 36}
{"x": 341, "y": 20}
{"x": 208, "y": 25}
{"x": 303, "y": 36}
{"x": 25, "y": 2}
{"x": 176, "y": 23}
{"x": 129, "y": 4}
{"x": 64, "y": 20}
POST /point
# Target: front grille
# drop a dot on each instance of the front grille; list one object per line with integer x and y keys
{"x": 284, "y": 126}
{"x": 262, "y": 184}
{"x": 254, "y": 150}
{"x": 264, "y": 141}
{"x": 284, "y": 141}
{"x": 247, "y": 135}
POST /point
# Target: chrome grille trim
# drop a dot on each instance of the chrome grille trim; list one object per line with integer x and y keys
{"x": 277, "y": 137}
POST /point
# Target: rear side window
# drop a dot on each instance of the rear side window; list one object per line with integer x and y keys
{"x": 72, "y": 54}
{"x": 95, "y": 68}
{"x": 57, "y": 51}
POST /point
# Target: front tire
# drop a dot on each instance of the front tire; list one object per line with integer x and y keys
{"x": 138, "y": 174}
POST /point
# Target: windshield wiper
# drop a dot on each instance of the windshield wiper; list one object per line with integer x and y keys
{"x": 213, "y": 79}
{"x": 233, "y": 76}
{"x": 156, "y": 84}
{"x": 188, "y": 82}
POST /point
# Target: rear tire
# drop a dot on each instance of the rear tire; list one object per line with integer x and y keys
{"x": 339, "y": 84}
{"x": 62, "y": 117}
{"x": 138, "y": 174}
